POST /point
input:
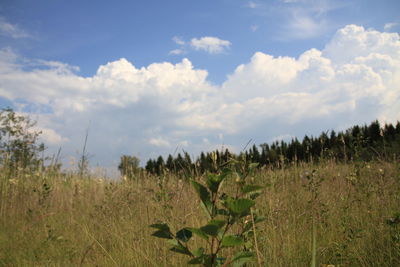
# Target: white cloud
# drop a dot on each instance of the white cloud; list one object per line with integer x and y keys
{"x": 182, "y": 46}
{"x": 152, "y": 110}
{"x": 389, "y": 26}
{"x": 252, "y": 5}
{"x": 254, "y": 28}
{"x": 285, "y": 137}
{"x": 305, "y": 19}
{"x": 354, "y": 41}
{"x": 177, "y": 52}
{"x": 12, "y": 30}
{"x": 178, "y": 40}
{"x": 304, "y": 26}
{"x": 51, "y": 137}
{"x": 303, "y": 23}
{"x": 212, "y": 45}
{"x": 159, "y": 142}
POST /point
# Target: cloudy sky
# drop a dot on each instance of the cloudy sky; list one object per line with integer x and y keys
{"x": 154, "y": 77}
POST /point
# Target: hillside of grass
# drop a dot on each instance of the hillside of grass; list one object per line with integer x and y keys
{"x": 50, "y": 218}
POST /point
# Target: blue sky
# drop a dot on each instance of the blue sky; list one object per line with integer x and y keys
{"x": 90, "y": 33}
{"x": 149, "y": 76}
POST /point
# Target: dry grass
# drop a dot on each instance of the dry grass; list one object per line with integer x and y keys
{"x": 50, "y": 219}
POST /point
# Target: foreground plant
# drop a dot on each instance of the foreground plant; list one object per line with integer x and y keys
{"x": 231, "y": 221}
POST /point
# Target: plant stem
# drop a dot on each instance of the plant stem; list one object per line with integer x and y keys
{"x": 314, "y": 244}
{"x": 255, "y": 239}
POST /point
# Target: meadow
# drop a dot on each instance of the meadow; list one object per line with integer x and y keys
{"x": 54, "y": 218}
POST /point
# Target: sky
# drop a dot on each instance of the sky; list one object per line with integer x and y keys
{"x": 149, "y": 78}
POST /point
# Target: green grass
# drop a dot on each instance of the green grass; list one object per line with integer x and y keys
{"x": 54, "y": 219}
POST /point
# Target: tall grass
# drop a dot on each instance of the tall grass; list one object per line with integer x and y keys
{"x": 50, "y": 218}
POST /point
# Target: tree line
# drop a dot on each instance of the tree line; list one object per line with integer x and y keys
{"x": 363, "y": 143}
{"x": 20, "y": 149}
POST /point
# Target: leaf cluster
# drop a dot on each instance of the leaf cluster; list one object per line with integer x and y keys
{"x": 225, "y": 213}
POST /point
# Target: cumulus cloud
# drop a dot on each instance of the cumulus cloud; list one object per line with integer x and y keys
{"x": 51, "y": 137}
{"x": 12, "y": 30}
{"x": 152, "y": 110}
{"x": 212, "y": 45}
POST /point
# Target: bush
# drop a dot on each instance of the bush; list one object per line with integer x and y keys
{"x": 19, "y": 147}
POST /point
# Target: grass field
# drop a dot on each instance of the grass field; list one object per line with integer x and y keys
{"x": 56, "y": 219}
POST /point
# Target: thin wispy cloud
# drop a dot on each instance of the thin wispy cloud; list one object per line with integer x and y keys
{"x": 159, "y": 142}
{"x": 306, "y": 19}
{"x": 254, "y": 28}
{"x": 177, "y": 52}
{"x": 389, "y": 26}
{"x": 12, "y": 30}
{"x": 303, "y": 26}
{"x": 253, "y": 5}
{"x": 178, "y": 40}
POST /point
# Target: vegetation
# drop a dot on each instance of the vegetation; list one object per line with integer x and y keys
{"x": 231, "y": 220}
{"x": 19, "y": 149}
{"x": 321, "y": 212}
{"x": 366, "y": 143}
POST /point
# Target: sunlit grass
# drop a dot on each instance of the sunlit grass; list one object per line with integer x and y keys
{"x": 49, "y": 218}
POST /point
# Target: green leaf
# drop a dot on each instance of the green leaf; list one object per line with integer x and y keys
{"x": 222, "y": 212}
{"x": 203, "y": 194}
{"x": 240, "y": 206}
{"x": 213, "y": 182}
{"x": 160, "y": 226}
{"x": 207, "y": 211}
{"x": 198, "y": 252}
{"x": 254, "y": 195}
{"x": 211, "y": 230}
{"x": 197, "y": 260}
{"x": 251, "y": 188}
{"x": 232, "y": 241}
{"x": 213, "y": 227}
{"x": 242, "y": 258}
{"x": 198, "y": 232}
{"x": 173, "y": 242}
{"x": 248, "y": 226}
{"x": 181, "y": 249}
{"x": 258, "y": 219}
{"x": 162, "y": 234}
{"x": 220, "y": 261}
{"x": 219, "y": 223}
{"x": 253, "y": 165}
{"x": 184, "y": 235}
